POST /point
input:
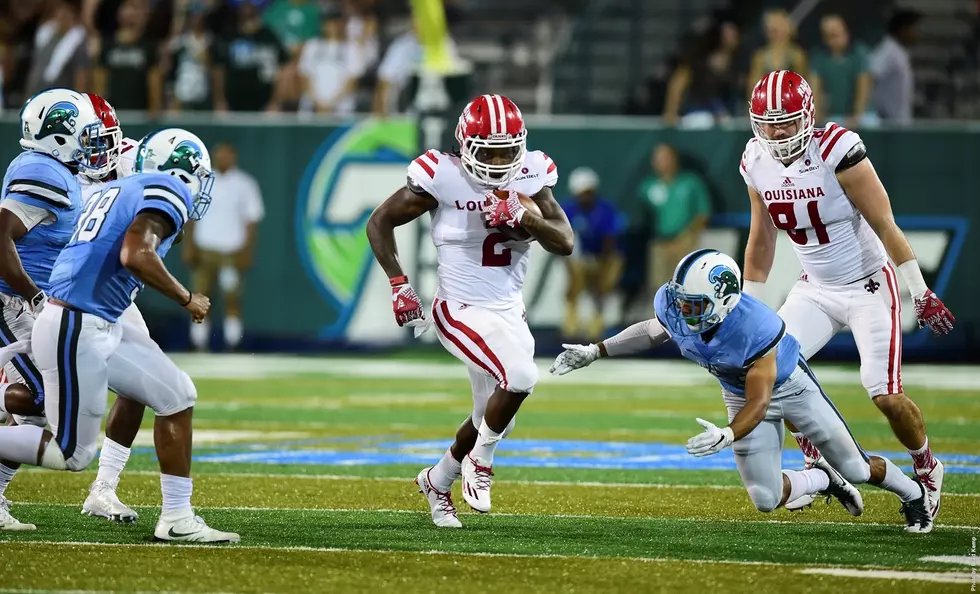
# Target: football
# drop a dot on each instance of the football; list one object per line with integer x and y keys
{"x": 518, "y": 234}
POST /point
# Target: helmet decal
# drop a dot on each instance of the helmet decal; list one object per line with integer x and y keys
{"x": 725, "y": 280}
{"x": 60, "y": 119}
{"x": 186, "y": 155}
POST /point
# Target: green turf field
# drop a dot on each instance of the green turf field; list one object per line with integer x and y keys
{"x": 312, "y": 461}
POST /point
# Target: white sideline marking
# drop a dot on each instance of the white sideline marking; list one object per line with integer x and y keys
{"x": 968, "y": 560}
{"x": 948, "y": 577}
{"x": 349, "y": 510}
{"x": 621, "y": 372}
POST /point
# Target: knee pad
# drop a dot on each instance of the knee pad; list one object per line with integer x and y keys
{"x": 763, "y": 498}
{"x": 855, "y": 471}
{"x": 80, "y": 459}
{"x": 53, "y": 457}
{"x": 183, "y": 396}
{"x": 522, "y": 378}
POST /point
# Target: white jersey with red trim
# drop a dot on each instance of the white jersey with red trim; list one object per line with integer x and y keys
{"x": 127, "y": 163}
{"x": 476, "y": 265}
{"x": 834, "y": 242}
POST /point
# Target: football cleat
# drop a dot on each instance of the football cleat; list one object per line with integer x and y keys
{"x": 932, "y": 480}
{"x": 918, "y": 519}
{"x": 440, "y": 503}
{"x": 102, "y": 502}
{"x": 184, "y": 526}
{"x": 841, "y": 490}
{"x": 477, "y": 481}
{"x": 8, "y": 522}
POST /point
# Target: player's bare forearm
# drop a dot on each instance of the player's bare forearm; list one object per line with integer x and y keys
{"x": 402, "y": 207}
{"x": 761, "y": 247}
{"x": 867, "y": 193}
{"x": 11, "y": 268}
{"x": 758, "y": 393}
{"x": 139, "y": 256}
{"x": 552, "y": 229}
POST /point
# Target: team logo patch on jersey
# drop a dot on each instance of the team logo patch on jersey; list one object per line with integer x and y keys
{"x": 725, "y": 281}
{"x": 787, "y": 182}
{"x": 60, "y": 119}
{"x": 872, "y": 286}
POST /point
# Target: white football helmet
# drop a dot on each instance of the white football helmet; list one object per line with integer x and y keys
{"x": 63, "y": 124}
{"x": 177, "y": 152}
{"x": 706, "y": 287}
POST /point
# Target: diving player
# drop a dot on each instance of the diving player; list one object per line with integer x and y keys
{"x": 764, "y": 380}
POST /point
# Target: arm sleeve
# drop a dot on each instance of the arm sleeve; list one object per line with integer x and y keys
{"x": 636, "y": 338}
{"x": 30, "y": 215}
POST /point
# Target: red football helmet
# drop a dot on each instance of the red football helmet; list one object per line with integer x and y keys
{"x": 111, "y": 136}
{"x": 781, "y": 99}
{"x": 492, "y": 140}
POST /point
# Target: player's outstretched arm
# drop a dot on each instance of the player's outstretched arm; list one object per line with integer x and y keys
{"x": 635, "y": 339}
{"x": 12, "y": 271}
{"x": 402, "y": 207}
{"x": 761, "y": 247}
{"x": 139, "y": 256}
{"x": 551, "y": 229}
{"x": 759, "y": 382}
{"x": 866, "y": 192}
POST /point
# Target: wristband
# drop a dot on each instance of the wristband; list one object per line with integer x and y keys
{"x": 190, "y": 297}
{"x": 398, "y": 280}
{"x": 754, "y": 288}
{"x": 913, "y": 278}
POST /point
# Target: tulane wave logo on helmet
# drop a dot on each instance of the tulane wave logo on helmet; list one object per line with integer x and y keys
{"x": 331, "y": 215}
{"x": 725, "y": 281}
{"x": 60, "y": 119}
{"x": 186, "y": 155}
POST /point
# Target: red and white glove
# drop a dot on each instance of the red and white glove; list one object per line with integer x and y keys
{"x": 504, "y": 212}
{"x": 930, "y": 311}
{"x": 405, "y": 303}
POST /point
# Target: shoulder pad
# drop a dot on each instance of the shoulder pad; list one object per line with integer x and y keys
{"x": 834, "y": 142}
{"x": 43, "y": 181}
{"x": 422, "y": 172}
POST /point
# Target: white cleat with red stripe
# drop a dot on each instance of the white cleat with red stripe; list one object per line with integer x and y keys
{"x": 440, "y": 503}
{"x": 477, "y": 481}
{"x": 932, "y": 480}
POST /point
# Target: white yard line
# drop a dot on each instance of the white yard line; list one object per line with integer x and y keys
{"x": 948, "y": 577}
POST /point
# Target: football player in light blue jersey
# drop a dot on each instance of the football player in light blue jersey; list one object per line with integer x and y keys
{"x": 39, "y": 203}
{"x": 117, "y": 246}
{"x": 764, "y": 380}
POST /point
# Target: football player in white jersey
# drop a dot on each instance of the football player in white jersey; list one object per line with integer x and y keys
{"x": 819, "y": 186}
{"x": 482, "y": 256}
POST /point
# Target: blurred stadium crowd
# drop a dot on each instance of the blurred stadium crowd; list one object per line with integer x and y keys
{"x": 691, "y": 62}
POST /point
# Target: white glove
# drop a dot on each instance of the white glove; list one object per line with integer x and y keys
{"x": 712, "y": 441}
{"x": 575, "y": 356}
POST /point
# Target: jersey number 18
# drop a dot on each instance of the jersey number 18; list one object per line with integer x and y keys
{"x": 91, "y": 221}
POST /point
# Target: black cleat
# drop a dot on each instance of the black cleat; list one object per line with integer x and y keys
{"x": 918, "y": 518}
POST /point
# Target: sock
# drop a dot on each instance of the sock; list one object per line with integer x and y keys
{"x": 806, "y": 482}
{"x": 6, "y": 475}
{"x": 809, "y": 450}
{"x": 486, "y": 444}
{"x": 233, "y": 331}
{"x": 20, "y": 443}
{"x": 899, "y": 483}
{"x": 112, "y": 460}
{"x": 444, "y": 474}
{"x": 201, "y": 334}
{"x": 922, "y": 457}
{"x": 176, "y": 493}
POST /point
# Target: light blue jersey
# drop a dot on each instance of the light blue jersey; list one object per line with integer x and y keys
{"x": 750, "y": 332}
{"x": 38, "y": 180}
{"x": 88, "y": 274}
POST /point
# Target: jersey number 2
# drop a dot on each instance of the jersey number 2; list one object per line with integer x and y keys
{"x": 784, "y": 217}
{"x": 491, "y": 257}
{"x": 91, "y": 221}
